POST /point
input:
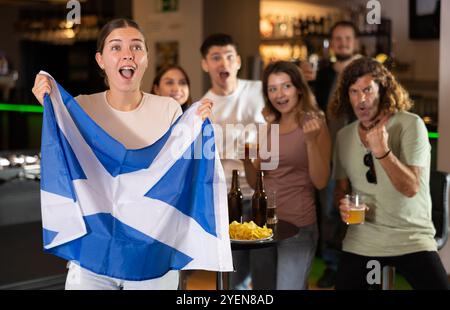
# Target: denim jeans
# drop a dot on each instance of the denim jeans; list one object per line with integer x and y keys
{"x": 79, "y": 278}
{"x": 332, "y": 229}
{"x": 295, "y": 256}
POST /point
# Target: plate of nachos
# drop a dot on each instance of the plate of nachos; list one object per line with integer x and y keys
{"x": 249, "y": 232}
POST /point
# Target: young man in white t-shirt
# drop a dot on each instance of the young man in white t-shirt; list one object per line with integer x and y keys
{"x": 236, "y": 102}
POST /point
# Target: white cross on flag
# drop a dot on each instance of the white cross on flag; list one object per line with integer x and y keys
{"x": 131, "y": 214}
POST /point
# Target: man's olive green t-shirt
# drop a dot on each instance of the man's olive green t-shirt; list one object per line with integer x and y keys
{"x": 395, "y": 224}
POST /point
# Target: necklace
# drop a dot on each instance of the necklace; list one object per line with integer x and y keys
{"x": 370, "y": 126}
{"x": 362, "y": 133}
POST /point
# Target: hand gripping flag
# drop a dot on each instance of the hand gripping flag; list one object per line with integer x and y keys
{"x": 131, "y": 214}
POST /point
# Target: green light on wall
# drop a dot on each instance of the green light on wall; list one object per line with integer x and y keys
{"x": 433, "y": 135}
{"x": 21, "y": 108}
{"x": 39, "y": 109}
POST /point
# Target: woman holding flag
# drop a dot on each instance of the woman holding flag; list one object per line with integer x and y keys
{"x": 130, "y": 116}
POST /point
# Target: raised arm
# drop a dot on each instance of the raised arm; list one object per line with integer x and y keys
{"x": 318, "y": 147}
{"x": 405, "y": 178}
{"x": 41, "y": 87}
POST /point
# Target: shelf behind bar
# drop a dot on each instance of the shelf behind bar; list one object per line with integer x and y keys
{"x": 299, "y": 38}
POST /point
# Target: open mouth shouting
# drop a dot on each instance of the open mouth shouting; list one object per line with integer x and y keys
{"x": 363, "y": 110}
{"x": 127, "y": 72}
{"x": 224, "y": 75}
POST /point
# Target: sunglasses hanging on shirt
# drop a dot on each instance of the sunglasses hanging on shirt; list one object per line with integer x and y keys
{"x": 371, "y": 176}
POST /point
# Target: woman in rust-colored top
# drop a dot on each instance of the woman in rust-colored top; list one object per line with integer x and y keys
{"x": 303, "y": 165}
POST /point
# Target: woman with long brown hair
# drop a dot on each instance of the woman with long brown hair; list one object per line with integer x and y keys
{"x": 304, "y": 165}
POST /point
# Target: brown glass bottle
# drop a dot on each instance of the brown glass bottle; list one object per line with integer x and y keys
{"x": 235, "y": 199}
{"x": 259, "y": 202}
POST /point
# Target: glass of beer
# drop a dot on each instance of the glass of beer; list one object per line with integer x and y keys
{"x": 357, "y": 209}
{"x": 272, "y": 218}
{"x": 251, "y": 150}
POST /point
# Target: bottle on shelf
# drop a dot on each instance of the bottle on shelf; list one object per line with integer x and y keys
{"x": 277, "y": 27}
{"x": 310, "y": 25}
{"x": 259, "y": 201}
{"x": 297, "y": 30}
{"x": 327, "y": 23}
{"x": 284, "y": 21}
{"x": 304, "y": 26}
{"x": 290, "y": 26}
{"x": 266, "y": 27}
{"x": 320, "y": 27}
{"x": 235, "y": 199}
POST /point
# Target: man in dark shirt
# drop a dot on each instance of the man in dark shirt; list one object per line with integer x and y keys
{"x": 343, "y": 43}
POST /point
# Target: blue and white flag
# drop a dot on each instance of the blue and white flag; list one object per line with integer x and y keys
{"x": 131, "y": 214}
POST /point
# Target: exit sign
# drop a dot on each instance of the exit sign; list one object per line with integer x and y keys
{"x": 167, "y": 5}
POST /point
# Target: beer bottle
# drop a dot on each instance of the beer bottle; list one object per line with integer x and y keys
{"x": 235, "y": 199}
{"x": 259, "y": 202}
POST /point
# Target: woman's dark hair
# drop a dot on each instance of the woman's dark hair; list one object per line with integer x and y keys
{"x": 159, "y": 75}
{"x": 393, "y": 97}
{"x": 110, "y": 27}
{"x": 306, "y": 99}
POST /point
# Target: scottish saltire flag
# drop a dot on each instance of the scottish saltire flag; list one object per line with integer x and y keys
{"x": 131, "y": 214}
